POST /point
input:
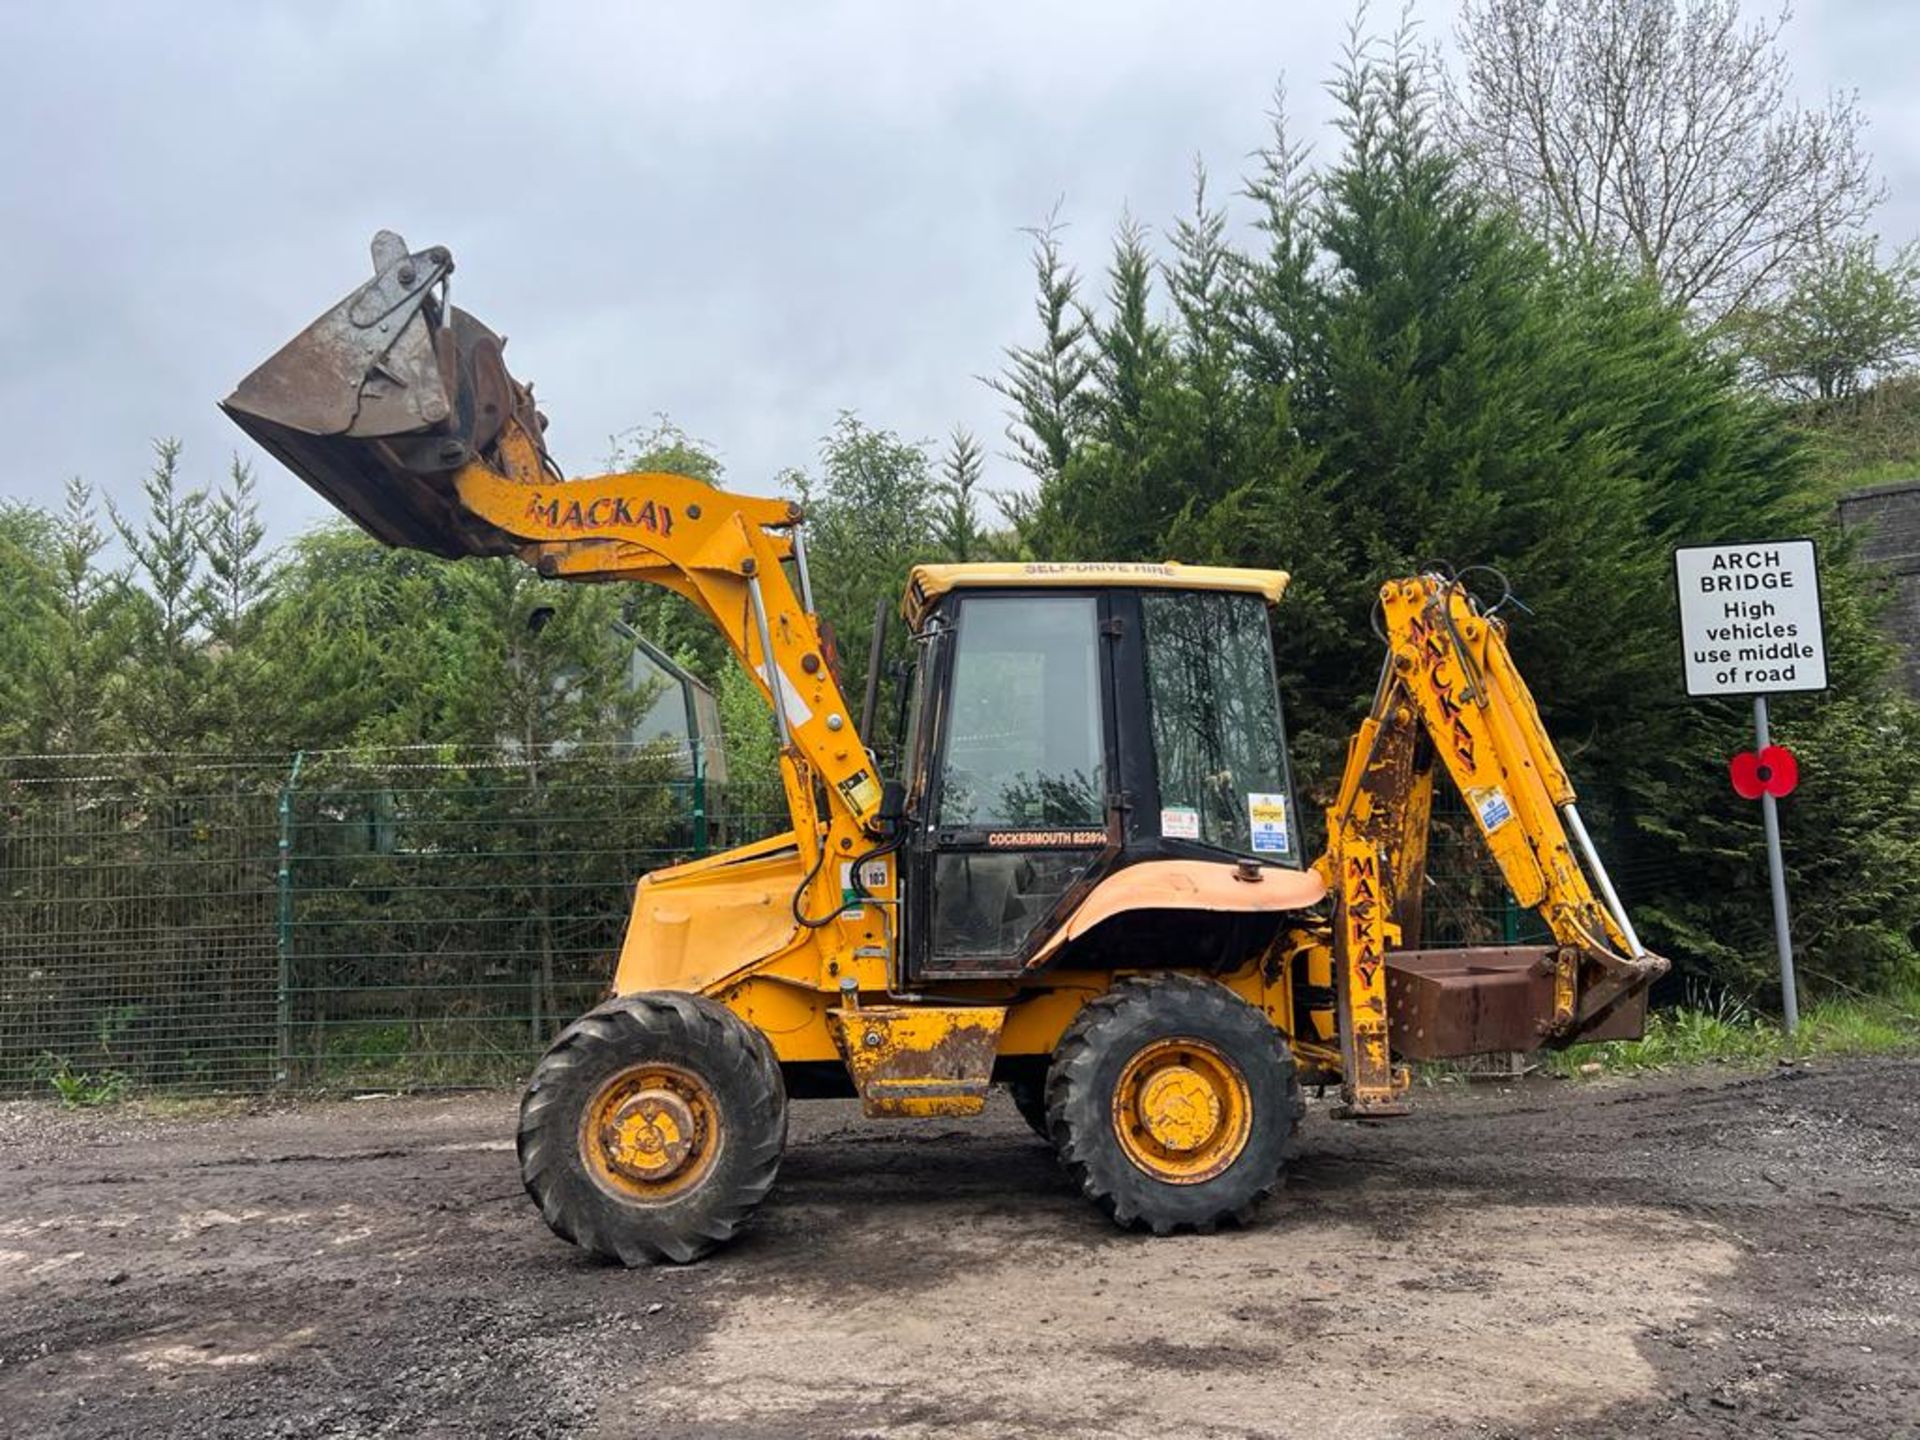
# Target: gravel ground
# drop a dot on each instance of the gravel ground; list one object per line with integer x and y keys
{"x": 1712, "y": 1254}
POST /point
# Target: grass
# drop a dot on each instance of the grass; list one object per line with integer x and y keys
{"x": 84, "y": 1089}
{"x": 444, "y": 1052}
{"x": 1869, "y": 440}
{"x": 1881, "y": 472}
{"x": 1708, "y": 1028}
{"x": 1724, "y": 1030}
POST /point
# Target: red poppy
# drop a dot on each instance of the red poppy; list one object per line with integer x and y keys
{"x": 1773, "y": 771}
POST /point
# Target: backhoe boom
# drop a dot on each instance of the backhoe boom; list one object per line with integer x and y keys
{"x": 1449, "y": 692}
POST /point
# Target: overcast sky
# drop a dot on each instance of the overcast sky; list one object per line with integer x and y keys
{"x": 746, "y": 217}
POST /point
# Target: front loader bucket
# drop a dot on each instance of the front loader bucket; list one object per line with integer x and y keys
{"x": 379, "y": 401}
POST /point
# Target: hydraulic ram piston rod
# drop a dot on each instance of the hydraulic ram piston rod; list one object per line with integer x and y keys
{"x": 1574, "y": 823}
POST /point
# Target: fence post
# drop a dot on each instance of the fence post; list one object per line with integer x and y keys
{"x": 283, "y": 938}
{"x": 699, "y": 795}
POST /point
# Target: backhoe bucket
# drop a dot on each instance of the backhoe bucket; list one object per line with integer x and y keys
{"x": 379, "y": 401}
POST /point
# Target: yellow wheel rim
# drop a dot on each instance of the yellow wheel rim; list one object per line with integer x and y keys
{"x": 1182, "y": 1111}
{"x": 651, "y": 1132}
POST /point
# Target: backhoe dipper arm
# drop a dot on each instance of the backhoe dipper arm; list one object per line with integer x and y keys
{"x": 1449, "y": 692}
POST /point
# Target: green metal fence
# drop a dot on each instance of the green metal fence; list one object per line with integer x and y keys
{"x": 136, "y": 928}
{"x": 1467, "y": 900}
{"x": 406, "y": 918}
{"x": 419, "y": 918}
{"x": 438, "y": 923}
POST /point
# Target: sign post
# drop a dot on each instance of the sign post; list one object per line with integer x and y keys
{"x": 1770, "y": 822}
{"x": 1750, "y": 625}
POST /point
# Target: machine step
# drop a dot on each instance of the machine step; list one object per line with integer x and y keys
{"x": 919, "y": 1060}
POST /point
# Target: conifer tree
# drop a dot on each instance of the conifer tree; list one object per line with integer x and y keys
{"x": 1200, "y": 280}
{"x": 229, "y": 596}
{"x": 162, "y": 695}
{"x": 871, "y": 506}
{"x": 1044, "y": 382}
{"x": 958, "y": 535}
{"x": 27, "y": 586}
{"x": 86, "y": 635}
{"x": 1410, "y": 380}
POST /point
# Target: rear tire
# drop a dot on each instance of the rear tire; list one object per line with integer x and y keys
{"x": 653, "y": 1128}
{"x": 1173, "y": 1104}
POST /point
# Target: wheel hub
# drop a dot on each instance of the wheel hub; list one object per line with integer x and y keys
{"x": 651, "y": 1132}
{"x": 1179, "y": 1108}
{"x": 1182, "y": 1110}
{"x": 650, "y": 1136}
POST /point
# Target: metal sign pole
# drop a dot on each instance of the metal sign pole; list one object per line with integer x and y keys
{"x": 1770, "y": 818}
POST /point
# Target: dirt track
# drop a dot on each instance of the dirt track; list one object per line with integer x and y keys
{"x": 1711, "y": 1255}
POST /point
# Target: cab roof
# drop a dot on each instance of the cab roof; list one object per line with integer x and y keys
{"x": 927, "y": 583}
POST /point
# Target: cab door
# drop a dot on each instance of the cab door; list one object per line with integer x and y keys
{"x": 1017, "y": 811}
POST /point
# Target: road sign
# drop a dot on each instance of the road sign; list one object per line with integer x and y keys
{"x": 1750, "y": 618}
{"x": 1750, "y": 625}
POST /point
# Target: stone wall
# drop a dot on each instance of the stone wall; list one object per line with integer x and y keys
{"x": 1888, "y": 519}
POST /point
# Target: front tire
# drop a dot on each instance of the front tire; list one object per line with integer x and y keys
{"x": 1173, "y": 1104}
{"x": 653, "y": 1128}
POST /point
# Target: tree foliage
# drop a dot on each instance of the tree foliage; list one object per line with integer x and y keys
{"x": 1844, "y": 321}
{"x": 958, "y": 530}
{"x": 1384, "y": 368}
{"x": 872, "y": 503}
{"x": 1398, "y": 374}
{"x": 27, "y": 587}
{"x": 376, "y": 647}
{"x": 166, "y": 710}
{"x": 1662, "y": 133}
{"x": 204, "y": 641}
{"x": 1044, "y": 380}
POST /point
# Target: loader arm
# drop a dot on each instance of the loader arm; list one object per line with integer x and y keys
{"x": 725, "y": 554}
{"x": 399, "y": 409}
{"x": 1449, "y": 693}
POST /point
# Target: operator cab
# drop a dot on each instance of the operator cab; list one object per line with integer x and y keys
{"x": 1064, "y": 722}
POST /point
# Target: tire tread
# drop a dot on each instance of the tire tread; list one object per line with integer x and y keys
{"x": 614, "y": 1033}
{"x": 1087, "y": 1151}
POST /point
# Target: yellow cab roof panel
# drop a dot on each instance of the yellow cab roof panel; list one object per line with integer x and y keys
{"x": 928, "y": 583}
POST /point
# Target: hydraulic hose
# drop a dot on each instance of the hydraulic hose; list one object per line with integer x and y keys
{"x": 885, "y": 847}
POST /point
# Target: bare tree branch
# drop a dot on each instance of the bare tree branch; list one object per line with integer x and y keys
{"x": 1662, "y": 132}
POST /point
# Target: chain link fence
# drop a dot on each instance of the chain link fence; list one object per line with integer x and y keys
{"x": 408, "y": 918}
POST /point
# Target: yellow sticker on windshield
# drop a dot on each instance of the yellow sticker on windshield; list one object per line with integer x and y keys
{"x": 1267, "y": 814}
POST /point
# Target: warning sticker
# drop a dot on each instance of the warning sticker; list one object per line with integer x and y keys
{"x": 1491, "y": 804}
{"x": 860, "y": 790}
{"x": 1268, "y": 816}
{"x": 1180, "y": 822}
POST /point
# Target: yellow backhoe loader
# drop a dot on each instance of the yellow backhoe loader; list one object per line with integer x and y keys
{"x": 1086, "y": 880}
